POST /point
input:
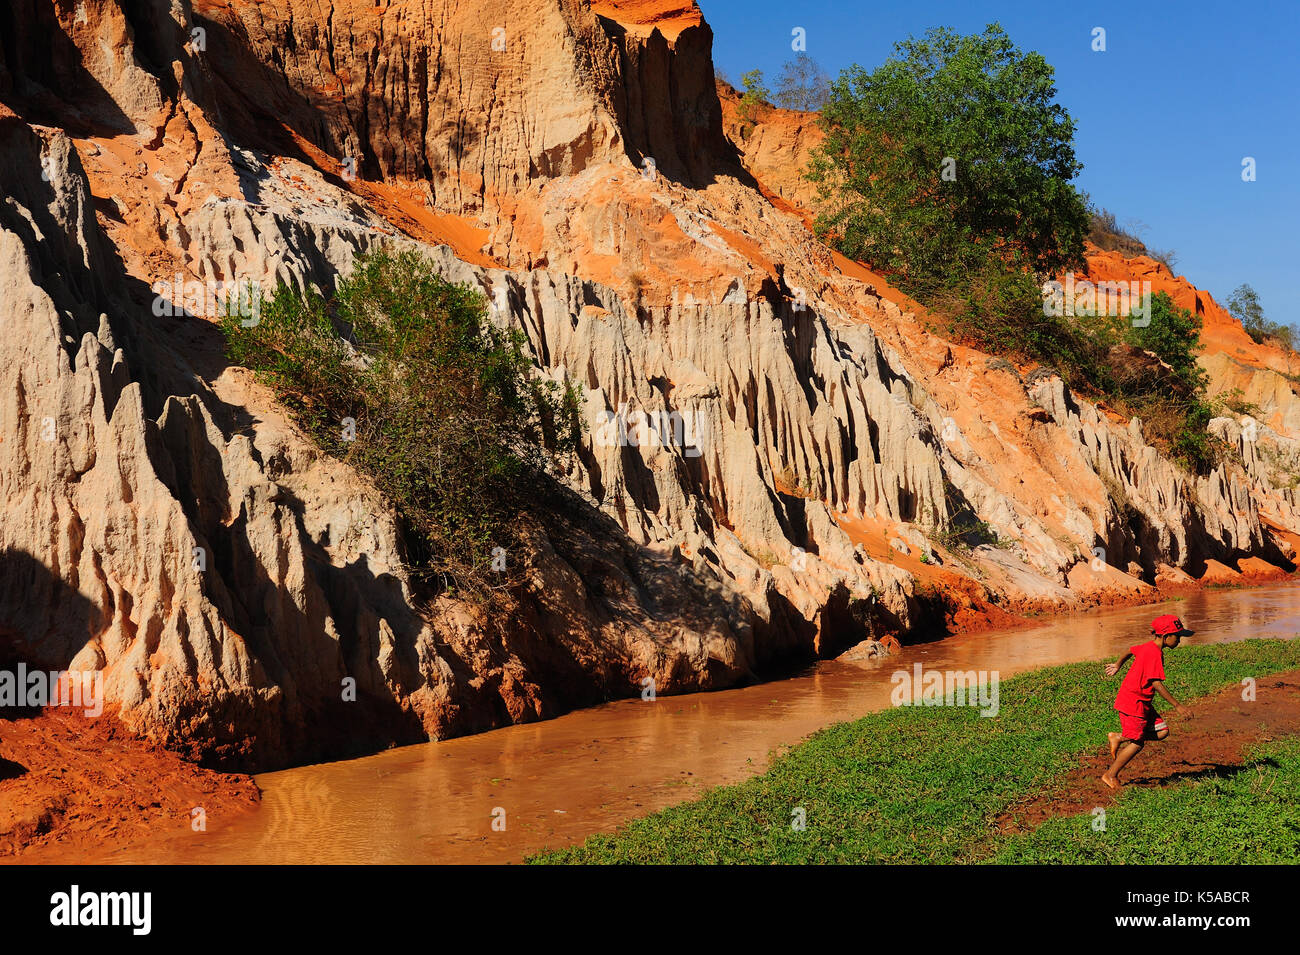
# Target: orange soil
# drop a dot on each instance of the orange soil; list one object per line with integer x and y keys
{"x": 967, "y": 608}
{"x": 745, "y": 247}
{"x": 75, "y": 781}
{"x": 402, "y": 204}
{"x": 863, "y": 272}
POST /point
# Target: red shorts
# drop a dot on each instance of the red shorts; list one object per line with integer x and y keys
{"x": 1138, "y": 728}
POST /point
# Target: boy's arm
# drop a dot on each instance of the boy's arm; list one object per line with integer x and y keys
{"x": 1113, "y": 668}
{"x": 1159, "y": 687}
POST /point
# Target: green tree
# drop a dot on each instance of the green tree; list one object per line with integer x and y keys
{"x": 1247, "y": 309}
{"x": 1173, "y": 403}
{"x": 951, "y": 154}
{"x": 1245, "y": 306}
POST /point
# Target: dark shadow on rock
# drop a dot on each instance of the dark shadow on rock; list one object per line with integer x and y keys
{"x": 50, "y": 84}
{"x": 314, "y": 715}
{"x": 43, "y": 621}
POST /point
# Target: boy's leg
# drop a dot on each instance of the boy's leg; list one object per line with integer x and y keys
{"x": 1133, "y": 731}
{"x": 1127, "y": 750}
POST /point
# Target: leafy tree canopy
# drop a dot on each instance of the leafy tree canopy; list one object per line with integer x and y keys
{"x": 951, "y": 154}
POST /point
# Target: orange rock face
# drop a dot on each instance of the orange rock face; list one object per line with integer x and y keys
{"x": 1220, "y": 332}
{"x": 775, "y": 146}
{"x": 669, "y": 17}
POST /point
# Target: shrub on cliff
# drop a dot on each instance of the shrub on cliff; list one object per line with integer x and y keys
{"x": 402, "y": 374}
{"x": 1105, "y": 232}
{"x": 949, "y": 156}
{"x": 1246, "y": 308}
{"x": 755, "y": 95}
{"x": 1171, "y": 399}
{"x": 1102, "y": 356}
{"x": 949, "y": 167}
{"x": 1173, "y": 334}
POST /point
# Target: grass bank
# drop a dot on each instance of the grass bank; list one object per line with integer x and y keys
{"x": 1251, "y": 816}
{"x": 926, "y": 784}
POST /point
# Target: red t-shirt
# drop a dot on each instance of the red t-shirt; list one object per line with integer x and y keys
{"x": 1135, "y": 693}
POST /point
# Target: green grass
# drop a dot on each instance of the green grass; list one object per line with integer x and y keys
{"x": 1250, "y": 816}
{"x": 921, "y": 784}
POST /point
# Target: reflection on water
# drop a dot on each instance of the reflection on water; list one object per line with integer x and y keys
{"x": 590, "y": 771}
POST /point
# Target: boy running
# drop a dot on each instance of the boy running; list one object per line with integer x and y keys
{"x": 1138, "y": 719}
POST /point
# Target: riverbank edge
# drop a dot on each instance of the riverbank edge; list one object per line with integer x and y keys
{"x": 657, "y": 830}
{"x": 44, "y": 818}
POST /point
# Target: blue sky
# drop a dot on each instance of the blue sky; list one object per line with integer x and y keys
{"x": 1165, "y": 115}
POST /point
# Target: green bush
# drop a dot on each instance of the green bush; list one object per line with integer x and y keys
{"x": 975, "y": 245}
{"x": 1172, "y": 402}
{"x": 445, "y": 414}
{"x": 1174, "y": 335}
{"x": 1002, "y": 312}
{"x": 755, "y": 95}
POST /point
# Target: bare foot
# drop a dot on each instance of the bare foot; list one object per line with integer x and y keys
{"x": 1114, "y": 739}
{"x": 1110, "y": 783}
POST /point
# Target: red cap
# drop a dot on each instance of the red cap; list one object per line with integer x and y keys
{"x": 1167, "y": 625}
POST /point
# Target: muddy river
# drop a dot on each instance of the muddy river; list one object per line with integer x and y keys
{"x": 556, "y": 782}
